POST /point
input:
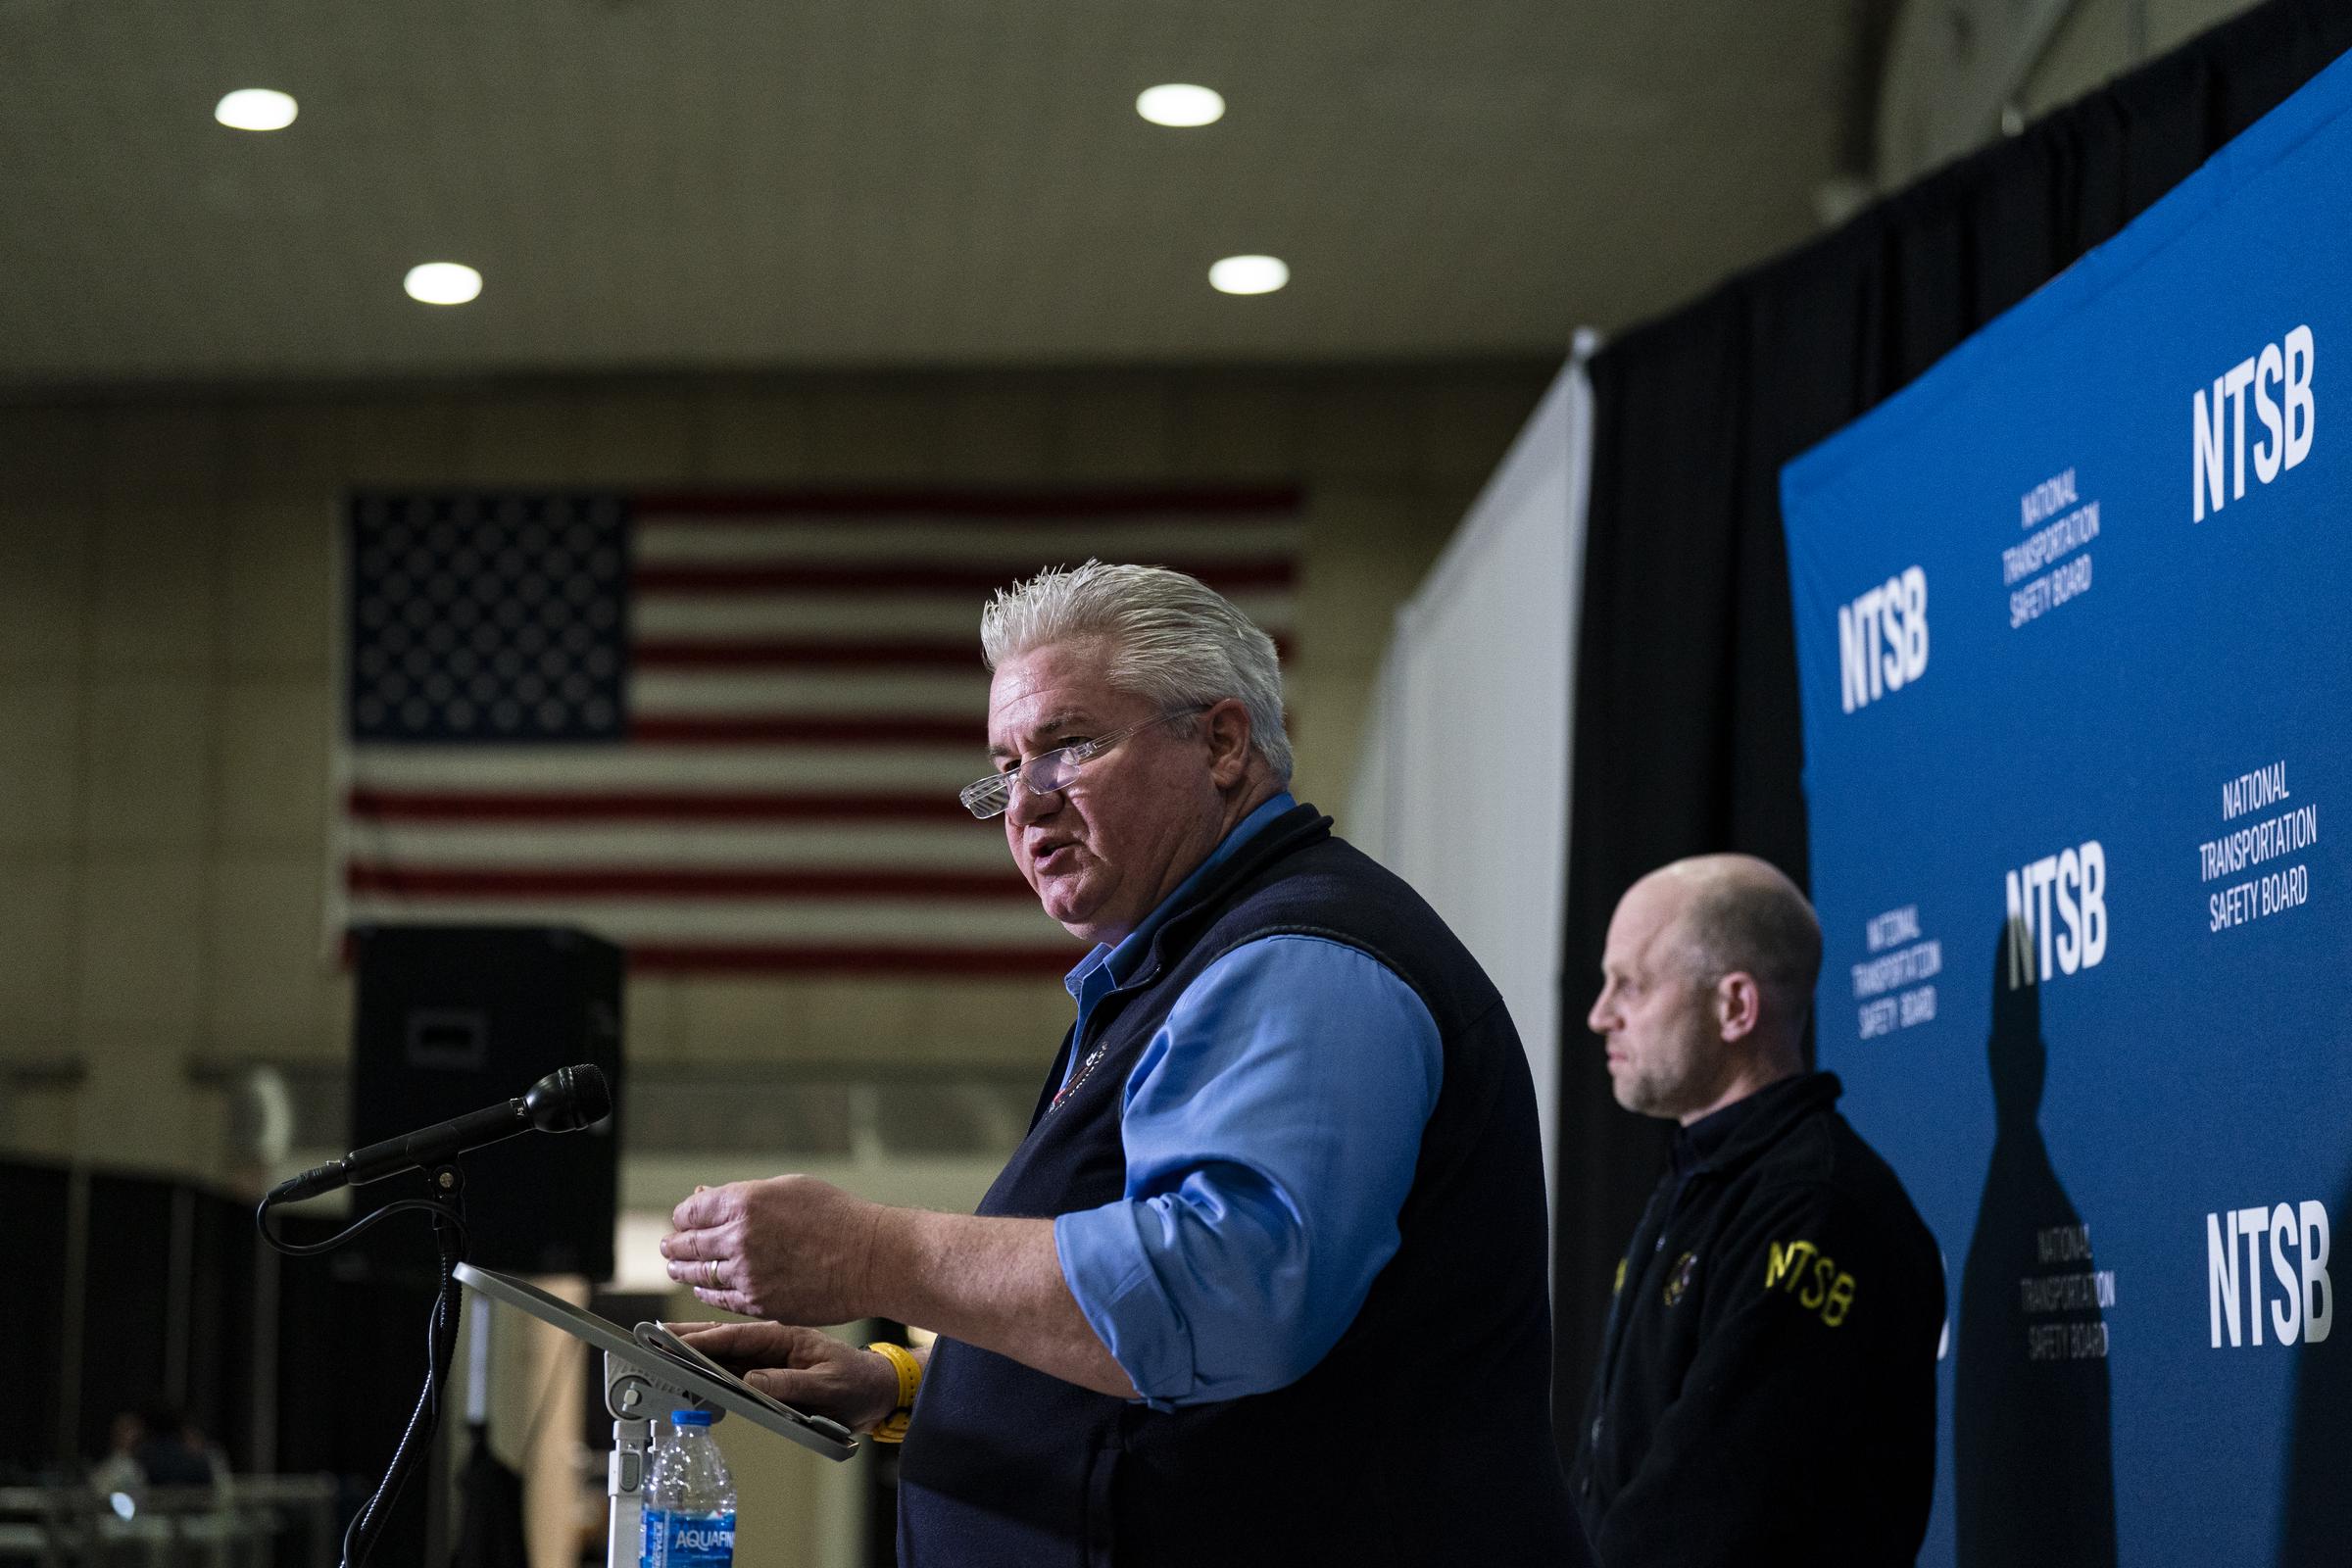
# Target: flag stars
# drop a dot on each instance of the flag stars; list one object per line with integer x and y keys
{"x": 508, "y": 621}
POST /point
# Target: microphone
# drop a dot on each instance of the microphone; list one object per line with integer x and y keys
{"x": 565, "y": 1100}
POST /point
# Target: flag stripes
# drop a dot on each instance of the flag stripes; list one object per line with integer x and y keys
{"x": 800, "y": 696}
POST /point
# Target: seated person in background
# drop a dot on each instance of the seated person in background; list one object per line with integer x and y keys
{"x": 156, "y": 1446}
{"x": 1766, "y": 1391}
{"x": 171, "y": 1452}
{"x": 120, "y": 1470}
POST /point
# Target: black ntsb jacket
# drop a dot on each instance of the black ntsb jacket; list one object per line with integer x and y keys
{"x": 1767, "y": 1383}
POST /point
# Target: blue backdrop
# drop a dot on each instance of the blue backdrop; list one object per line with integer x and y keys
{"x": 2076, "y": 683}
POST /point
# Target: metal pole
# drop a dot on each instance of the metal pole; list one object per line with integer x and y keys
{"x": 180, "y": 1290}
{"x": 266, "y": 1308}
{"x": 77, "y": 1300}
{"x": 629, "y": 1399}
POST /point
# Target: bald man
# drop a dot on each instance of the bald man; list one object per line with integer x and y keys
{"x": 1767, "y": 1383}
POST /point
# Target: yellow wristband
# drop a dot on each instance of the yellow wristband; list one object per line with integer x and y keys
{"x": 911, "y": 1378}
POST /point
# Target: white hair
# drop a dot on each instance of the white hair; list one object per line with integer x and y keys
{"x": 1173, "y": 639}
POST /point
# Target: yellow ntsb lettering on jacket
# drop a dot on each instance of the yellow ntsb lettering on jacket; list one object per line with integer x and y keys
{"x": 1797, "y": 1268}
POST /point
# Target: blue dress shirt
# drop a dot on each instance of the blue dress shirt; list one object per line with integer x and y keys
{"x": 1271, "y": 1128}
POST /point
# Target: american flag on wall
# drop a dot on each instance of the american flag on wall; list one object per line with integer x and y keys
{"x": 724, "y": 730}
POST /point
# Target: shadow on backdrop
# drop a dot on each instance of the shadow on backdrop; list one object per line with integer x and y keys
{"x": 2316, "y": 1516}
{"x": 2033, "y": 1465}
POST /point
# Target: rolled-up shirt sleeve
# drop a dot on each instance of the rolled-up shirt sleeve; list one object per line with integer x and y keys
{"x": 1271, "y": 1129}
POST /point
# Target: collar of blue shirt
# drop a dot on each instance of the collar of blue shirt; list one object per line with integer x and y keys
{"x": 1105, "y": 968}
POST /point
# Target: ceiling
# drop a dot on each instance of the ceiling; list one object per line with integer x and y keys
{"x": 691, "y": 184}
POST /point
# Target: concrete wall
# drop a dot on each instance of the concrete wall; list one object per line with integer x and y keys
{"x": 1956, "y": 68}
{"x": 166, "y": 710}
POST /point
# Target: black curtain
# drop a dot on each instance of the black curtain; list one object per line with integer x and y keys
{"x": 1686, "y": 729}
{"x": 127, "y": 1332}
{"x": 36, "y": 1200}
{"x": 223, "y": 1298}
{"x": 167, "y": 1296}
{"x": 351, "y": 1359}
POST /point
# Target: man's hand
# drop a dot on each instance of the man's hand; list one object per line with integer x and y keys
{"x": 801, "y": 1367}
{"x": 791, "y": 1248}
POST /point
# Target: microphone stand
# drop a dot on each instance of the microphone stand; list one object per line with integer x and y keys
{"x": 627, "y": 1399}
{"x": 445, "y": 1200}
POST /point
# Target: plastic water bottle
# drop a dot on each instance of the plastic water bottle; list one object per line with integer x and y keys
{"x": 690, "y": 1500}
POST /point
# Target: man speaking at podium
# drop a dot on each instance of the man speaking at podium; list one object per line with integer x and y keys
{"x": 1265, "y": 1283}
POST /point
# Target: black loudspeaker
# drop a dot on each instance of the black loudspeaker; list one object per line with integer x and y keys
{"x": 454, "y": 1018}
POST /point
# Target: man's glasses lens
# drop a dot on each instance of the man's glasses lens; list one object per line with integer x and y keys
{"x": 1048, "y": 772}
{"x": 988, "y": 797}
{"x": 1043, "y": 774}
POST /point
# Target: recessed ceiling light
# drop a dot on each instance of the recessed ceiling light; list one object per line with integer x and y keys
{"x": 443, "y": 283}
{"x": 1177, "y": 103}
{"x": 1248, "y": 275}
{"x": 255, "y": 109}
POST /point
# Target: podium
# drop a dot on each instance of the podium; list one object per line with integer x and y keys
{"x": 638, "y": 1378}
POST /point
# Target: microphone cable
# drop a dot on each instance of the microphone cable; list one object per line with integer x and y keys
{"x": 360, "y": 1537}
{"x": 420, "y": 1205}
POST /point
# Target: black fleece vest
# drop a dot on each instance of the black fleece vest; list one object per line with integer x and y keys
{"x": 1424, "y": 1437}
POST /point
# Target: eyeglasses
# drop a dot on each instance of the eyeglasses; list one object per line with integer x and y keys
{"x": 1049, "y": 772}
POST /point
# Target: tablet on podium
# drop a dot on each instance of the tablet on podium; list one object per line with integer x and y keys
{"x": 672, "y": 1366}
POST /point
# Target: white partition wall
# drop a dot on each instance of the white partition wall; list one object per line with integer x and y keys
{"x": 1462, "y": 785}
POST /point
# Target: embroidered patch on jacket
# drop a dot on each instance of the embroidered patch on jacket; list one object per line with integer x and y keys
{"x": 1684, "y": 1267}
